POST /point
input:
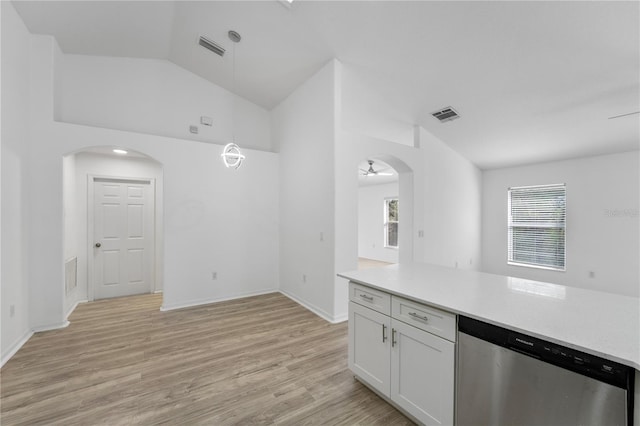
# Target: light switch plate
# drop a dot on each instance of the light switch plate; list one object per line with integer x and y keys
{"x": 207, "y": 121}
{"x": 193, "y": 129}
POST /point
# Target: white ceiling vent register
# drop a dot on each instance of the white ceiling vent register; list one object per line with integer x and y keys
{"x": 446, "y": 114}
{"x": 211, "y": 45}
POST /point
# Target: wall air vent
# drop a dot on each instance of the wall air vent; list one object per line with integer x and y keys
{"x": 211, "y": 45}
{"x": 445, "y": 114}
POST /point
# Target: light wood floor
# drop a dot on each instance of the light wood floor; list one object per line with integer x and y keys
{"x": 259, "y": 360}
{"x": 364, "y": 263}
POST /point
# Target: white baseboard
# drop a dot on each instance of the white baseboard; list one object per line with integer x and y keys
{"x": 316, "y": 310}
{"x": 340, "y": 318}
{"x": 199, "y": 302}
{"x": 73, "y": 308}
{"x": 16, "y": 347}
{"x": 48, "y": 327}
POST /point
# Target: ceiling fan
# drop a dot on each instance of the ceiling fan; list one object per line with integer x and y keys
{"x": 372, "y": 172}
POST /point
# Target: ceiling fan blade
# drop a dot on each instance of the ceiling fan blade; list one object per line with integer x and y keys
{"x": 384, "y": 174}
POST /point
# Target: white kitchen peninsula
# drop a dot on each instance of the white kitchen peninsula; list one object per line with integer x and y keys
{"x": 601, "y": 324}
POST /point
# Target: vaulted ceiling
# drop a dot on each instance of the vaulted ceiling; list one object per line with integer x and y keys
{"x": 532, "y": 81}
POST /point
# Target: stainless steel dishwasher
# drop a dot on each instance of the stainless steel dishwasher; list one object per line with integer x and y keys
{"x": 508, "y": 378}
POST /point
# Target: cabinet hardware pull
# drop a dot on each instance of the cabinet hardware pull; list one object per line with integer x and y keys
{"x": 384, "y": 333}
{"x": 365, "y": 297}
{"x": 418, "y": 317}
{"x": 393, "y": 337}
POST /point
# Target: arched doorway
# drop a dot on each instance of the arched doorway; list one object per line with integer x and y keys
{"x": 112, "y": 200}
{"x": 385, "y": 211}
{"x": 378, "y": 214}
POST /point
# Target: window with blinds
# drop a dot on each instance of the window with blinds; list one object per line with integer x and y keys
{"x": 537, "y": 217}
{"x": 391, "y": 222}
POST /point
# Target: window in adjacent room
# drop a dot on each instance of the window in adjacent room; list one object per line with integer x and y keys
{"x": 391, "y": 222}
{"x": 537, "y": 226}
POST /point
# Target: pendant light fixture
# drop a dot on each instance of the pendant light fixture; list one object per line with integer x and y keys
{"x": 231, "y": 154}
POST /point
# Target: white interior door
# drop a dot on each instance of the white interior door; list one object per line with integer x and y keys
{"x": 123, "y": 246}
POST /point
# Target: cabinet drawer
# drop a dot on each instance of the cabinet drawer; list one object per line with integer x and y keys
{"x": 370, "y": 298}
{"x": 424, "y": 317}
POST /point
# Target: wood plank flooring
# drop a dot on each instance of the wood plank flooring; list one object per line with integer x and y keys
{"x": 254, "y": 361}
{"x": 364, "y": 263}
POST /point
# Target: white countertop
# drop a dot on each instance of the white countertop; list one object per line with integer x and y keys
{"x": 602, "y": 324}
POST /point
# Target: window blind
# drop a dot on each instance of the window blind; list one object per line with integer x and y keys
{"x": 391, "y": 206}
{"x": 537, "y": 218}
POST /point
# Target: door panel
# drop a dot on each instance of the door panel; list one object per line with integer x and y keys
{"x": 111, "y": 266}
{"x": 135, "y": 222}
{"x": 123, "y": 226}
{"x": 369, "y": 356}
{"x": 135, "y": 264}
{"x": 110, "y": 219}
{"x": 422, "y": 369}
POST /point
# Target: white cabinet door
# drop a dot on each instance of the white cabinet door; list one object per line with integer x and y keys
{"x": 369, "y": 346}
{"x": 422, "y": 371}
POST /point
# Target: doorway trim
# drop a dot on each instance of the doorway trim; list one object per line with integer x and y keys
{"x": 91, "y": 179}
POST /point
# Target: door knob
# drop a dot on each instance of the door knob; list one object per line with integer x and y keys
{"x": 98, "y": 245}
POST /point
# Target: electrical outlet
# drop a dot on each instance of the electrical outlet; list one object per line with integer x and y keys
{"x": 420, "y": 233}
{"x": 456, "y": 264}
{"x": 214, "y": 275}
{"x": 12, "y": 311}
{"x": 304, "y": 278}
{"x": 592, "y": 274}
{"x": 322, "y": 236}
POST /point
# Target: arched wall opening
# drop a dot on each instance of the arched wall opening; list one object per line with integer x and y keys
{"x": 408, "y": 163}
{"x": 406, "y": 193}
{"x": 89, "y": 259}
{"x": 379, "y": 214}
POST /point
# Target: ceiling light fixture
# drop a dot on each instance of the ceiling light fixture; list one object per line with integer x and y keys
{"x": 120, "y": 151}
{"x": 231, "y": 154}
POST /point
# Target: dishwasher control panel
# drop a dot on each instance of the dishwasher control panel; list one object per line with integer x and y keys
{"x": 589, "y": 365}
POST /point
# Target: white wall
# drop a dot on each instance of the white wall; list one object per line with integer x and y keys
{"x": 155, "y": 97}
{"x": 371, "y": 200}
{"x": 46, "y": 281}
{"x": 230, "y": 222}
{"x": 602, "y": 221}
{"x": 452, "y": 206}
{"x": 76, "y": 232}
{"x": 440, "y": 193}
{"x": 303, "y": 132}
{"x": 15, "y": 143}
{"x": 216, "y": 219}
{"x": 72, "y": 226}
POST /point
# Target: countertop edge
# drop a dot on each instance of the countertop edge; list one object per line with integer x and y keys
{"x": 628, "y": 362}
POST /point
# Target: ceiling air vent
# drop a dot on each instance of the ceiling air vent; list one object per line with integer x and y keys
{"x": 445, "y": 114}
{"x": 211, "y": 45}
